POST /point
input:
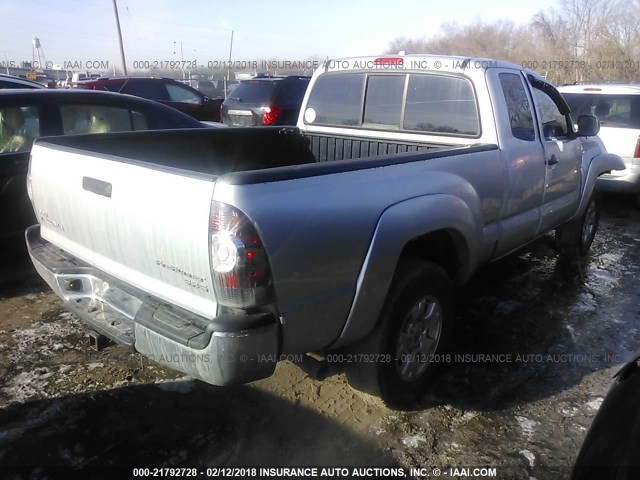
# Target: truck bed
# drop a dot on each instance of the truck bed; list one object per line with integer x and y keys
{"x": 220, "y": 151}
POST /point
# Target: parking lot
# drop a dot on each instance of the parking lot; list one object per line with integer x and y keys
{"x": 535, "y": 349}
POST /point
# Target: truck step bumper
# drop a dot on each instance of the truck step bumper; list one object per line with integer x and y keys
{"x": 222, "y": 351}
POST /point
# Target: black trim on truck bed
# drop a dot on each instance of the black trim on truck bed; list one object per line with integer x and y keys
{"x": 329, "y": 168}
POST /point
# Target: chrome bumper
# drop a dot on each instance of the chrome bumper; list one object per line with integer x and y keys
{"x": 226, "y": 350}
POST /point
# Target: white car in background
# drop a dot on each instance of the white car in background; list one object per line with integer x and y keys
{"x": 618, "y": 109}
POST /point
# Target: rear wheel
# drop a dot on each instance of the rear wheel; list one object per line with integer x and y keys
{"x": 396, "y": 360}
{"x": 575, "y": 238}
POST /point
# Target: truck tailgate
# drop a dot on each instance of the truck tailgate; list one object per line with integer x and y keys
{"x": 148, "y": 227}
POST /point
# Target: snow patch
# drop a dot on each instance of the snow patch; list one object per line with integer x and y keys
{"x": 412, "y": 441}
{"x": 529, "y": 456}
{"x": 606, "y": 276}
{"x": 568, "y": 411}
{"x": 527, "y": 426}
{"x": 27, "y": 385}
{"x": 610, "y": 258}
{"x": 180, "y": 385}
{"x": 595, "y": 403}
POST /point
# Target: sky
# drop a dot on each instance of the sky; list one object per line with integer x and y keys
{"x": 72, "y": 31}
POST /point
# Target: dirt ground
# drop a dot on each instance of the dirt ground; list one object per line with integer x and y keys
{"x": 534, "y": 353}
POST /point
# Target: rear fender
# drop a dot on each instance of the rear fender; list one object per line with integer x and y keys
{"x": 398, "y": 225}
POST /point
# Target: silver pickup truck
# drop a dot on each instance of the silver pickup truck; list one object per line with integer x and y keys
{"x": 216, "y": 252}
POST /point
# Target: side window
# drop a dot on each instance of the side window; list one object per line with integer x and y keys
{"x": 336, "y": 100}
{"x": 180, "y": 94}
{"x": 79, "y": 119}
{"x": 383, "y": 103}
{"x": 19, "y": 127}
{"x": 554, "y": 124}
{"x": 151, "y": 89}
{"x": 518, "y": 106}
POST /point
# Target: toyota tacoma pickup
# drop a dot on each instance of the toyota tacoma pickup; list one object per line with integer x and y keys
{"x": 218, "y": 252}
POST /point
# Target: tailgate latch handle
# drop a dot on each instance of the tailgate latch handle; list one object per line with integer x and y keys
{"x": 96, "y": 186}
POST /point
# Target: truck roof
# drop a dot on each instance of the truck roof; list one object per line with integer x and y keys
{"x": 418, "y": 61}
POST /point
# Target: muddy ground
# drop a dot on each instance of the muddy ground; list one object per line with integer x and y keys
{"x": 534, "y": 353}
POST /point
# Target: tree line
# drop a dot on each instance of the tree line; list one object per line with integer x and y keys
{"x": 575, "y": 41}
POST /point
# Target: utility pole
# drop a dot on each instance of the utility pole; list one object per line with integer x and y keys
{"x": 181, "y": 59}
{"x": 227, "y": 78}
{"x": 124, "y": 61}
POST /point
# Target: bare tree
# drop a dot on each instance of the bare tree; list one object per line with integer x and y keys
{"x": 579, "y": 40}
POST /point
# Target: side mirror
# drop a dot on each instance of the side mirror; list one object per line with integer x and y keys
{"x": 588, "y": 126}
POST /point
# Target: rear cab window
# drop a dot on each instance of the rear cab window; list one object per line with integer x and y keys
{"x": 439, "y": 104}
{"x": 19, "y": 127}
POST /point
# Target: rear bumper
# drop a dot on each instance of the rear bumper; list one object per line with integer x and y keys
{"x": 226, "y": 350}
{"x": 621, "y": 181}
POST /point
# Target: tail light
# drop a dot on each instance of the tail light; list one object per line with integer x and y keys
{"x": 241, "y": 274}
{"x": 636, "y": 153}
{"x": 270, "y": 114}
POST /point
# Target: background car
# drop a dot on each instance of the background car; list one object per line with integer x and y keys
{"x": 9, "y": 81}
{"x": 265, "y": 101}
{"x": 164, "y": 90}
{"x": 28, "y": 114}
{"x": 618, "y": 109}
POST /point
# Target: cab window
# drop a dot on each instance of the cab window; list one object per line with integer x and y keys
{"x": 554, "y": 124}
{"x": 518, "y": 107}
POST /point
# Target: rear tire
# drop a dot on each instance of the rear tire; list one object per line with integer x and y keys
{"x": 574, "y": 239}
{"x": 396, "y": 360}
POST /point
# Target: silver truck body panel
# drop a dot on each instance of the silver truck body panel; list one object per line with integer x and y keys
{"x": 333, "y": 226}
{"x": 345, "y": 209}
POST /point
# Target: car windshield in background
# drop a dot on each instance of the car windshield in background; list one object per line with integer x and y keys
{"x": 253, "y": 91}
{"x": 621, "y": 111}
{"x": 437, "y": 104}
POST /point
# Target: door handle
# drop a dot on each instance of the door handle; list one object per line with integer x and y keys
{"x": 552, "y": 160}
